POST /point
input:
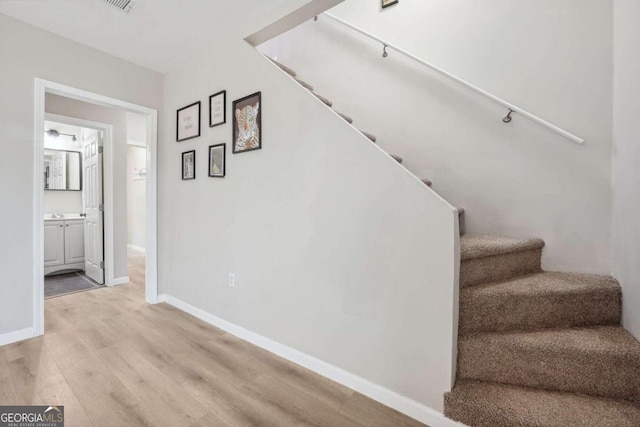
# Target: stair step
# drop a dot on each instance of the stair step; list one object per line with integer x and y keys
{"x": 345, "y": 117}
{"x": 487, "y": 404}
{"x": 488, "y": 259}
{"x": 283, "y": 67}
{"x": 396, "y": 158}
{"x": 325, "y": 100}
{"x": 427, "y": 182}
{"x": 543, "y": 300}
{"x": 370, "y": 136}
{"x": 304, "y": 84}
{"x": 599, "y": 361}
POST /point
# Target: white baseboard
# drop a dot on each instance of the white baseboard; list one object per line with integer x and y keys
{"x": 119, "y": 281}
{"x": 381, "y": 394}
{"x": 137, "y": 248}
{"x": 15, "y": 336}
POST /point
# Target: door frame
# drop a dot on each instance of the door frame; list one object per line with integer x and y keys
{"x": 42, "y": 87}
{"x": 107, "y": 191}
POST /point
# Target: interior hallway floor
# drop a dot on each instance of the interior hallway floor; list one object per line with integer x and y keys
{"x": 113, "y": 360}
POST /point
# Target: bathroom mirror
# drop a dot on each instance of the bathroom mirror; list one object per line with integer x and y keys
{"x": 62, "y": 170}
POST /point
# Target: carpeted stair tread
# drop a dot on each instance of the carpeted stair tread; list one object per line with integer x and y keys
{"x": 283, "y": 67}
{"x": 369, "y": 135}
{"x": 488, "y": 259}
{"x": 487, "y": 404}
{"x": 480, "y": 246}
{"x": 324, "y": 100}
{"x": 599, "y": 361}
{"x": 426, "y": 181}
{"x": 543, "y": 300}
{"x": 345, "y": 117}
{"x": 396, "y": 158}
{"x": 304, "y": 84}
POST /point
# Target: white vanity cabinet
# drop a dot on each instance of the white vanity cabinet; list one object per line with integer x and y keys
{"x": 63, "y": 245}
{"x": 53, "y": 243}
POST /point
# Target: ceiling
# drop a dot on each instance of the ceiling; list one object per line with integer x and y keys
{"x": 156, "y": 34}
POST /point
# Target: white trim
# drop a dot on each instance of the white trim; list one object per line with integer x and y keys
{"x": 464, "y": 83}
{"x": 151, "y": 271}
{"x": 136, "y": 248}
{"x": 136, "y": 143}
{"x": 376, "y": 392}
{"x": 118, "y": 281}
{"x": 107, "y": 185}
{"x": 163, "y": 297}
{"x": 15, "y": 336}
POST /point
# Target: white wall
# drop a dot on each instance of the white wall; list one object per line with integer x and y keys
{"x": 136, "y": 129}
{"x": 118, "y": 119}
{"x": 626, "y": 159}
{"x": 552, "y": 58}
{"x": 63, "y": 202}
{"x": 338, "y": 252}
{"x": 27, "y": 53}
{"x": 136, "y": 197}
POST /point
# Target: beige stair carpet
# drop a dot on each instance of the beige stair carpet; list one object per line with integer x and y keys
{"x": 539, "y": 349}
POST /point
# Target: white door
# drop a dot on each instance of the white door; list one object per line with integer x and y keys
{"x": 93, "y": 207}
{"x": 74, "y": 241}
{"x": 53, "y": 243}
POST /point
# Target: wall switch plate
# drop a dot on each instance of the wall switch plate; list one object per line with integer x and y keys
{"x": 232, "y": 280}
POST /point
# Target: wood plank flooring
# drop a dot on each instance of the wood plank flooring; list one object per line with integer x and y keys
{"x": 113, "y": 360}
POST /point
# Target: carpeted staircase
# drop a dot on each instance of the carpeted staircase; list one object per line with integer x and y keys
{"x": 535, "y": 348}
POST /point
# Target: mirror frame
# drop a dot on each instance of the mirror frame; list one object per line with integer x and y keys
{"x": 81, "y": 169}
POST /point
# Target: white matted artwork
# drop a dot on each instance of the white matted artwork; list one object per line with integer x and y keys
{"x": 217, "y": 160}
{"x": 188, "y": 122}
{"x": 218, "y": 109}
{"x": 189, "y": 165}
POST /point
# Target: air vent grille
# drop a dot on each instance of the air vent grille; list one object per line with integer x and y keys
{"x": 123, "y": 5}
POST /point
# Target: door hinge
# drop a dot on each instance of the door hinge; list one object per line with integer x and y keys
{"x": 101, "y": 207}
{"x": 102, "y": 264}
{"x": 100, "y": 149}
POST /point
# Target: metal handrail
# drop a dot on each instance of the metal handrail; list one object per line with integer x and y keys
{"x": 511, "y": 107}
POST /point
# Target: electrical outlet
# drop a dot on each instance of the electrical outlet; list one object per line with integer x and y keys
{"x": 232, "y": 280}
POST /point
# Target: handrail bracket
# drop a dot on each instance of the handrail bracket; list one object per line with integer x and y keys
{"x": 508, "y": 118}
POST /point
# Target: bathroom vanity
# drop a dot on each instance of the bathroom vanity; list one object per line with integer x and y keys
{"x": 63, "y": 243}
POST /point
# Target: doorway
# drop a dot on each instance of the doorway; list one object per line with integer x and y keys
{"x": 42, "y": 88}
{"x": 73, "y": 221}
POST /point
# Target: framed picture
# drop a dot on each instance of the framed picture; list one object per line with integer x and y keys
{"x": 247, "y": 123}
{"x": 218, "y": 109}
{"x": 217, "y": 160}
{"x": 188, "y": 122}
{"x": 387, "y": 3}
{"x": 189, "y": 165}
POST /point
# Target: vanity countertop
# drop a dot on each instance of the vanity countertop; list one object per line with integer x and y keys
{"x": 67, "y": 216}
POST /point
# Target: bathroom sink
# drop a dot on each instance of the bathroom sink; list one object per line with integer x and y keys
{"x": 60, "y": 216}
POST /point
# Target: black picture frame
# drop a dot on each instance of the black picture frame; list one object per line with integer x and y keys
{"x": 238, "y": 106}
{"x": 186, "y": 177}
{"x": 212, "y": 148}
{"x": 387, "y": 3}
{"x": 222, "y": 93}
{"x": 178, "y": 139}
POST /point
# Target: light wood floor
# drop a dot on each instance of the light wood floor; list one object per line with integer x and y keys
{"x": 113, "y": 360}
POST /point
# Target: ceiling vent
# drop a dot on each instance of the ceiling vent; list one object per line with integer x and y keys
{"x": 123, "y": 5}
